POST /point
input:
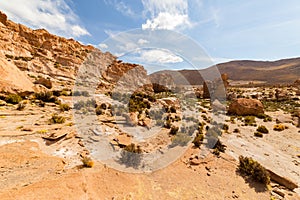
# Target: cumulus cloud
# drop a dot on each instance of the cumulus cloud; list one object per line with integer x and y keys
{"x": 158, "y": 56}
{"x": 167, "y": 14}
{"x": 54, "y": 15}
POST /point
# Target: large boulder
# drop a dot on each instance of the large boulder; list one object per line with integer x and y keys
{"x": 244, "y": 107}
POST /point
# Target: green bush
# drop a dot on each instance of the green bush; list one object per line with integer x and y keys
{"x": 13, "y": 99}
{"x": 249, "y": 120}
{"x": 174, "y": 130}
{"x": 56, "y": 119}
{"x": 198, "y": 140}
{"x": 258, "y": 134}
{"x": 252, "y": 168}
{"x": 78, "y": 105}
{"x": 262, "y": 129}
{"x": 180, "y": 139}
{"x": 45, "y": 96}
{"x": 64, "y": 107}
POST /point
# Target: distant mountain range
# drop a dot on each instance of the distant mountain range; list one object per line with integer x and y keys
{"x": 284, "y": 71}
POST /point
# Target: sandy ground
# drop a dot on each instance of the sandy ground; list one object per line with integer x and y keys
{"x": 31, "y": 168}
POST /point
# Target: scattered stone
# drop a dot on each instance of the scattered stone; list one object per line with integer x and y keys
{"x": 279, "y": 192}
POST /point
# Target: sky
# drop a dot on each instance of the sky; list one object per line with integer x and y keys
{"x": 223, "y": 30}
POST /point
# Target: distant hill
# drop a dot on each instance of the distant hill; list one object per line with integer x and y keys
{"x": 284, "y": 71}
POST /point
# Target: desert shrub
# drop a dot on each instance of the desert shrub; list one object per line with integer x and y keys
{"x": 56, "y": 119}
{"x": 13, "y": 99}
{"x": 168, "y": 123}
{"x": 100, "y": 110}
{"x": 87, "y": 162}
{"x": 45, "y": 96}
{"x": 172, "y": 109}
{"x": 219, "y": 147}
{"x": 198, "y": 140}
{"x": 174, "y": 130}
{"x": 64, "y": 107}
{"x": 91, "y": 103}
{"x": 180, "y": 139}
{"x": 225, "y": 127}
{"x": 252, "y": 168}
{"x": 131, "y": 156}
{"x": 78, "y": 105}
{"x": 249, "y": 120}
{"x": 262, "y": 129}
{"x": 21, "y": 106}
{"x": 258, "y": 134}
{"x": 279, "y": 127}
{"x": 81, "y": 93}
{"x": 236, "y": 130}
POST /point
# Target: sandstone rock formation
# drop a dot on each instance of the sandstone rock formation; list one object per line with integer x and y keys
{"x": 244, "y": 107}
{"x": 31, "y": 54}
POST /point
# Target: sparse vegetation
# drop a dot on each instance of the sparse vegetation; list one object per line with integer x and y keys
{"x": 131, "y": 156}
{"x": 252, "y": 168}
{"x": 258, "y": 134}
{"x": 279, "y": 127}
{"x": 64, "y": 107}
{"x": 262, "y": 129}
{"x": 13, "y": 99}
{"x": 198, "y": 140}
{"x": 87, "y": 162}
{"x": 174, "y": 130}
{"x": 180, "y": 139}
{"x": 57, "y": 119}
{"x": 45, "y": 96}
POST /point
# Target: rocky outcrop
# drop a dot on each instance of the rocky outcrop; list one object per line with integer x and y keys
{"x": 12, "y": 79}
{"x": 40, "y": 54}
{"x": 282, "y": 180}
{"x": 45, "y": 82}
{"x": 162, "y": 82}
{"x": 126, "y": 77}
{"x": 244, "y": 107}
{"x": 3, "y": 18}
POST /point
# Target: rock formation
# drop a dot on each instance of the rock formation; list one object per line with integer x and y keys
{"x": 244, "y": 107}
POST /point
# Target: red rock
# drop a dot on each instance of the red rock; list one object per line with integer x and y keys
{"x": 244, "y": 107}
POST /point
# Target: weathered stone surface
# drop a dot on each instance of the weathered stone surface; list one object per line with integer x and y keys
{"x": 132, "y": 119}
{"x": 3, "y": 18}
{"x": 45, "y": 82}
{"x": 282, "y": 180}
{"x": 244, "y": 107}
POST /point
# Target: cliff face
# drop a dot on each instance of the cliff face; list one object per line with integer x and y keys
{"x": 27, "y": 55}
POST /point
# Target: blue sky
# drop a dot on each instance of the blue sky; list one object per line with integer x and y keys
{"x": 224, "y": 29}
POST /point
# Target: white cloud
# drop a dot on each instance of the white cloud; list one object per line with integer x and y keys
{"x": 121, "y": 7}
{"x": 55, "y": 16}
{"x": 158, "y": 56}
{"x": 167, "y": 14}
{"x": 102, "y": 46}
{"x": 142, "y": 41}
